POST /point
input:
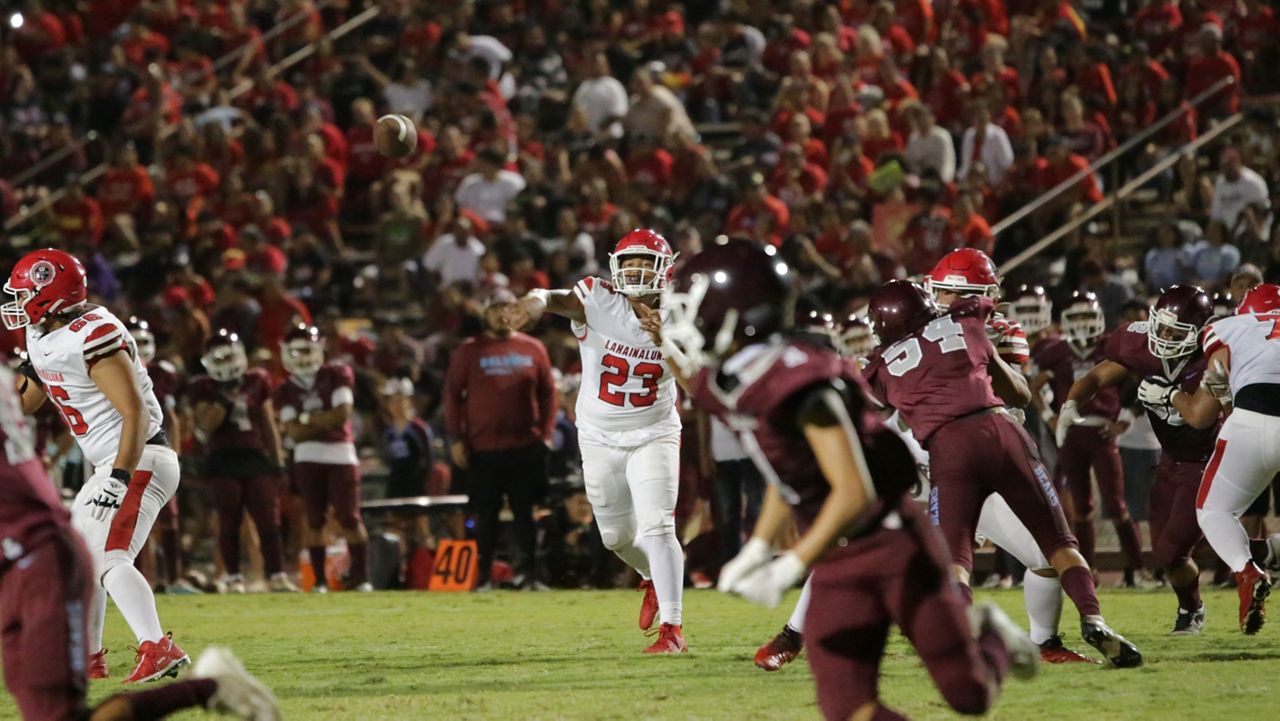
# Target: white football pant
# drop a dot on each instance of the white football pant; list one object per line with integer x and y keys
{"x": 1244, "y": 461}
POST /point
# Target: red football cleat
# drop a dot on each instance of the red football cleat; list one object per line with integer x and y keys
{"x": 1254, "y": 586}
{"x": 97, "y": 667}
{"x": 157, "y": 659}
{"x": 1055, "y": 651}
{"x": 649, "y": 606}
{"x": 670, "y": 640}
{"x": 780, "y": 650}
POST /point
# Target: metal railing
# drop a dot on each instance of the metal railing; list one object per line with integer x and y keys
{"x": 1105, "y": 160}
{"x": 1120, "y": 194}
{"x": 27, "y": 213}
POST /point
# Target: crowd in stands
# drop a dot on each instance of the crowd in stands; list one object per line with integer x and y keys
{"x": 233, "y": 182}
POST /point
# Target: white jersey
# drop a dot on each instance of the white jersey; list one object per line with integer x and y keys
{"x": 63, "y": 358}
{"x": 626, "y": 385}
{"x": 1253, "y": 343}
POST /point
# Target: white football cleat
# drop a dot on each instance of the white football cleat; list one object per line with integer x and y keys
{"x": 280, "y": 583}
{"x": 239, "y": 693}
{"x": 1024, "y": 655}
{"x": 365, "y": 587}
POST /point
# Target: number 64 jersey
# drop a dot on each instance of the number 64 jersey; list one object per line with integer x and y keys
{"x": 938, "y": 373}
{"x": 626, "y": 385}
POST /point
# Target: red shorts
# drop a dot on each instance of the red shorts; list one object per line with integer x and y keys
{"x": 1174, "y": 528}
{"x": 972, "y": 457}
{"x": 326, "y": 485}
{"x": 44, "y": 607}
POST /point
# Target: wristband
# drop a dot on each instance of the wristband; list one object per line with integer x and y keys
{"x": 542, "y": 294}
{"x": 121, "y": 475}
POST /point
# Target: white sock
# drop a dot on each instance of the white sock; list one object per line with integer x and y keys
{"x": 133, "y": 597}
{"x": 666, "y": 559}
{"x": 802, "y": 606}
{"x": 1043, "y": 597}
{"x": 97, "y": 617}
{"x": 1227, "y": 536}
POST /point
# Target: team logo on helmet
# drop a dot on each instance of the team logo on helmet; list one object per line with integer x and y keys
{"x": 42, "y": 273}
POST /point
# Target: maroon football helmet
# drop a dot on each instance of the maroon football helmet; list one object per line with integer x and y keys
{"x": 1082, "y": 318}
{"x": 811, "y": 317}
{"x": 1261, "y": 299}
{"x": 898, "y": 308}
{"x": 143, "y": 338}
{"x": 224, "y": 357}
{"x": 302, "y": 351}
{"x": 1173, "y": 329}
{"x": 733, "y": 293}
{"x": 1223, "y": 305}
{"x": 1031, "y": 308}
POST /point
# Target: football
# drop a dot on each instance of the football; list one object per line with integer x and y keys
{"x": 396, "y": 136}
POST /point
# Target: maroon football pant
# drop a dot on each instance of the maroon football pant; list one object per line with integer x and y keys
{"x": 972, "y": 457}
{"x": 895, "y": 576}
{"x": 44, "y": 607}
{"x": 1174, "y": 528}
{"x": 326, "y": 485}
{"x": 1087, "y": 449}
{"x": 260, "y": 496}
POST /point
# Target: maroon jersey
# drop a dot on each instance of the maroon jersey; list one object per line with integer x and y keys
{"x": 1180, "y": 440}
{"x": 759, "y": 394}
{"x": 938, "y": 373}
{"x": 242, "y": 427}
{"x": 332, "y": 386}
{"x": 165, "y": 384}
{"x": 29, "y": 505}
{"x": 1067, "y": 362}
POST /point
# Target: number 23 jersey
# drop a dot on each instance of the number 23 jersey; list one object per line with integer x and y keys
{"x": 626, "y": 385}
{"x": 64, "y": 359}
{"x": 938, "y": 373}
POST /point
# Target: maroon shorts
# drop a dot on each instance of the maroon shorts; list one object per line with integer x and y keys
{"x": 1174, "y": 528}
{"x": 1087, "y": 449}
{"x": 891, "y": 576}
{"x": 44, "y": 607}
{"x": 326, "y": 485}
{"x": 972, "y": 457}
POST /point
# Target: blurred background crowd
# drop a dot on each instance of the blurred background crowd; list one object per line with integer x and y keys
{"x": 213, "y": 165}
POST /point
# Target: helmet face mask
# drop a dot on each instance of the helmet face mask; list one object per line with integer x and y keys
{"x": 1083, "y": 323}
{"x": 682, "y": 326}
{"x": 227, "y": 361}
{"x": 959, "y": 286}
{"x": 302, "y": 357}
{"x": 1033, "y": 313}
{"x": 1168, "y": 337}
{"x": 146, "y": 344}
{"x": 14, "y": 312}
{"x": 857, "y": 341}
{"x": 639, "y": 271}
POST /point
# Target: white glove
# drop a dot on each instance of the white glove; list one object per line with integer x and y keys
{"x": 765, "y": 586}
{"x": 753, "y": 555}
{"x": 1156, "y": 395}
{"x": 1067, "y": 417}
{"x": 106, "y": 501}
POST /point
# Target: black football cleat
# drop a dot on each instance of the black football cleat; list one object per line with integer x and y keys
{"x": 1114, "y": 647}
{"x": 1189, "y": 623}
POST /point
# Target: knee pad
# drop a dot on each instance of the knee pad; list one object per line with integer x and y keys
{"x": 616, "y": 533}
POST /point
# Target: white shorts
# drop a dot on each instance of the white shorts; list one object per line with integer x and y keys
{"x": 633, "y": 481}
{"x": 1245, "y": 459}
{"x": 118, "y": 538}
{"x": 1002, "y": 526}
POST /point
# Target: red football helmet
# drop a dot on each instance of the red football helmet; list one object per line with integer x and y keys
{"x": 1261, "y": 299}
{"x": 44, "y": 283}
{"x": 854, "y": 337}
{"x": 224, "y": 357}
{"x": 1031, "y": 308}
{"x": 1082, "y": 318}
{"x": 302, "y": 351}
{"x": 1176, "y": 320}
{"x": 898, "y": 308}
{"x": 967, "y": 271}
{"x": 639, "y": 280}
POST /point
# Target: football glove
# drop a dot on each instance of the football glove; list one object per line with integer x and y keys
{"x": 765, "y": 585}
{"x": 106, "y": 500}
{"x": 1067, "y": 417}
{"x": 753, "y": 555}
{"x": 1156, "y": 393}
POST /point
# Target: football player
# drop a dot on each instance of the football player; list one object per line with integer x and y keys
{"x": 1165, "y": 351}
{"x": 235, "y": 423}
{"x": 628, "y": 424}
{"x": 1085, "y": 433}
{"x": 82, "y": 358}
{"x": 943, "y": 375}
{"x": 165, "y": 383}
{"x": 1243, "y": 376}
{"x": 802, "y": 414}
{"x": 46, "y": 590}
{"x": 315, "y": 405}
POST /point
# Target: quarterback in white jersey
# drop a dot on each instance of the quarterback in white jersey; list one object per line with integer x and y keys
{"x": 628, "y": 425}
{"x": 82, "y": 358}
{"x": 1243, "y": 378}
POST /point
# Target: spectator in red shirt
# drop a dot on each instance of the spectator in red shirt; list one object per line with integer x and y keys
{"x": 971, "y": 229}
{"x": 928, "y": 235}
{"x": 800, "y": 132}
{"x": 525, "y": 276}
{"x": 994, "y": 69}
{"x": 1210, "y": 67}
{"x": 945, "y": 91}
{"x": 126, "y": 188}
{"x": 1060, "y": 165}
{"x": 144, "y": 46}
{"x": 77, "y": 216}
{"x": 500, "y": 412}
{"x": 649, "y": 167}
{"x": 1157, "y": 23}
{"x": 40, "y": 35}
{"x": 797, "y": 182}
{"x": 760, "y": 216}
{"x": 1093, "y": 77}
{"x": 190, "y": 182}
{"x": 279, "y": 312}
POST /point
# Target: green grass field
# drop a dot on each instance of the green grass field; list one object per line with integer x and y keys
{"x": 509, "y": 655}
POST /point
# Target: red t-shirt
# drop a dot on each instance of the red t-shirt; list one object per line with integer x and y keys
{"x": 652, "y": 168}
{"x": 1051, "y": 175}
{"x": 78, "y": 219}
{"x": 1202, "y": 73}
{"x": 744, "y": 219}
{"x": 125, "y": 190}
{"x": 1158, "y": 24}
{"x": 199, "y": 180}
{"x": 364, "y": 162}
